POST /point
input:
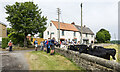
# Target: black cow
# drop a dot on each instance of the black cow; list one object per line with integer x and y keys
{"x": 78, "y": 47}
{"x": 57, "y": 45}
{"x": 98, "y": 51}
{"x": 109, "y": 51}
{"x": 71, "y": 47}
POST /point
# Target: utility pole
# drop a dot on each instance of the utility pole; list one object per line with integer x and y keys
{"x": 58, "y": 11}
{"x": 115, "y": 38}
{"x": 81, "y": 25}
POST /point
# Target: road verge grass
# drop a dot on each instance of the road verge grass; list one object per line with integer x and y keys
{"x": 39, "y": 60}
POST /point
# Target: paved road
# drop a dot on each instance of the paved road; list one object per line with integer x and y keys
{"x": 13, "y": 61}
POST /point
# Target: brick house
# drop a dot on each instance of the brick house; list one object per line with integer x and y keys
{"x": 3, "y": 31}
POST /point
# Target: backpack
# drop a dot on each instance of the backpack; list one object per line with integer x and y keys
{"x": 34, "y": 42}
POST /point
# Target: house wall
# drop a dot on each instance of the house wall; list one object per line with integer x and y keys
{"x": 69, "y": 35}
{"x": 89, "y": 37}
{"x": 50, "y": 29}
{"x": 3, "y": 31}
{"x": 0, "y": 30}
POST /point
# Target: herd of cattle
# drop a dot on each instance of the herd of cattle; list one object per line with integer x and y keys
{"x": 98, "y": 51}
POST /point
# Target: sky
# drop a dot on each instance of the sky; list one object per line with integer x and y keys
{"x": 97, "y": 14}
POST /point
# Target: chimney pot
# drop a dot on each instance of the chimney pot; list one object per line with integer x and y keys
{"x": 84, "y": 25}
{"x": 73, "y": 23}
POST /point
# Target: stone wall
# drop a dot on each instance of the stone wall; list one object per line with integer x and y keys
{"x": 89, "y": 62}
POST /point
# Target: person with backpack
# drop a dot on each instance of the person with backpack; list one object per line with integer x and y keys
{"x": 10, "y": 45}
{"x": 48, "y": 45}
{"x": 52, "y": 46}
{"x": 42, "y": 44}
{"x": 45, "y": 44}
{"x": 36, "y": 44}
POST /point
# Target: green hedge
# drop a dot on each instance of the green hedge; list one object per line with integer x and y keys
{"x": 5, "y": 42}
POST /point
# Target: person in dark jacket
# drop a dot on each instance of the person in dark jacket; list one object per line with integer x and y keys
{"x": 45, "y": 44}
{"x": 52, "y": 46}
{"x": 48, "y": 45}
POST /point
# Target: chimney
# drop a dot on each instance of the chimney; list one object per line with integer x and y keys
{"x": 73, "y": 23}
{"x": 84, "y": 25}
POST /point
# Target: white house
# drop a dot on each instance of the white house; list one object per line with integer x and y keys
{"x": 67, "y": 32}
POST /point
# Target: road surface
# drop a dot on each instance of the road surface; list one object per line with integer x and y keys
{"x": 13, "y": 61}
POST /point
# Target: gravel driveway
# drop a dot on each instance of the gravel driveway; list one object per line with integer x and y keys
{"x": 13, "y": 61}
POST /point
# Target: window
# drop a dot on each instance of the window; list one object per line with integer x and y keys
{"x": 50, "y": 24}
{"x": 74, "y": 33}
{"x": 62, "y": 32}
{"x": 47, "y": 32}
{"x": 86, "y": 34}
{"x": 52, "y": 32}
{"x": 91, "y": 35}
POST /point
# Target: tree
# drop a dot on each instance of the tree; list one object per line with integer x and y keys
{"x": 9, "y": 30}
{"x": 103, "y": 36}
{"x": 17, "y": 38}
{"x": 41, "y": 35}
{"x": 25, "y": 18}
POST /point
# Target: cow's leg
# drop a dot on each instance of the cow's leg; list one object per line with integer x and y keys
{"x": 108, "y": 57}
{"x": 113, "y": 57}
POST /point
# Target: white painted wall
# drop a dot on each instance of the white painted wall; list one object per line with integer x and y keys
{"x": 69, "y": 35}
{"x": 50, "y": 29}
{"x": 0, "y": 38}
{"x": 89, "y": 36}
{"x": 78, "y": 36}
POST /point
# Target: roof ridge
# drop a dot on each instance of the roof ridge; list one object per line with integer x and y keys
{"x": 82, "y": 26}
{"x": 62, "y": 22}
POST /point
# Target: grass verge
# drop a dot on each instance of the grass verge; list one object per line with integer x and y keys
{"x": 42, "y": 61}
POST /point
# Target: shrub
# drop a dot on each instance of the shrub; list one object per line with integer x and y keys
{"x": 107, "y": 41}
{"x": 5, "y": 42}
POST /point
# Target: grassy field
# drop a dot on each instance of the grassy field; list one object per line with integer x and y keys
{"x": 42, "y": 61}
{"x": 117, "y": 47}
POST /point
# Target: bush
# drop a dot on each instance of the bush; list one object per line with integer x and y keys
{"x": 5, "y": 42}
{"x": 107, "y": 41}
